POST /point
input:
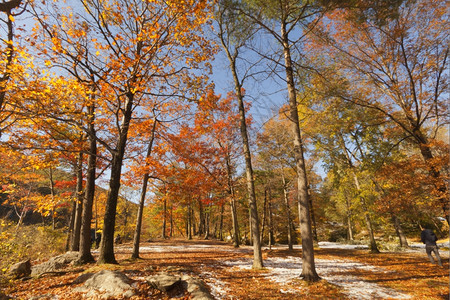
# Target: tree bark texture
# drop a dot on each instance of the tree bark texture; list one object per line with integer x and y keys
{"x": 308, "y": 266}
{"x": 234, "y": 219}
{"x": 109, "y": 221}
{"x": 254, "y": 221}
{"x": 399, "y": 230}
{"x": 288, "y": 213}
{"x": 85, "y": 239}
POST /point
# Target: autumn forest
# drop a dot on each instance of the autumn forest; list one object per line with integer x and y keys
{"x": 248, "y": 123}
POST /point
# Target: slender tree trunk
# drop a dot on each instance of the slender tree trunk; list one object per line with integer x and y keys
{"x": 440, "y": 185}
{"x": 171, "y": 232}
{"x": 21, "y": 216}
{"x": 349, "y": 219}
{"x": 308, "y": 266}
{"x": 96, "y": 221}
{"x": 231, "y": 192}
{"x": 138, "y": 228}
{"x": 8, "y": 53}
{"x": 254, "y": 227}
{"x": 313, "y": 219}
{"x": 395, "y": 221}
{"x": 52, "y": 194}
{"x": 288, "y": 213}
{"x": 71, "y": 223}
{"x": 164, "y": 218}
{"x": 85, "y": 238}
{"x": 201, "y": 218}
{"x": 193, "y": 219}
{"x": 236, "y": 235}
{"x": 271, "y": 227}
{"x": 222, "y": 208}
{"x": 75, "y": 240}
{"x": 107, "y": 243}
{"x": 399, "y": 230}
{"x": 207, "y": 217}
{"x": 75, "y": 218}
{"x": 263, "y": 219}
{"x": 373, "y": 244}
{"x": 189, "y": 233}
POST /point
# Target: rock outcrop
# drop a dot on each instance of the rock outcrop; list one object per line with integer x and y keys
{"x": 55, "y": 263}
{"x": 20, "y": 269}
{"x": 105, "y": 284}
{"x": 165, "y": 282}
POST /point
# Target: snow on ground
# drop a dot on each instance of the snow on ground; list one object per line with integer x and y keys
{"x": 285, "y": 270}
{"x": 218, "y": 288}
{"x": 183, "y": 248}
{"x": 331, "y": 245}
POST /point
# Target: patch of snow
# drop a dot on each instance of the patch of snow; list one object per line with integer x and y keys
{"x": 285, "y": 270}
{"x": 331, "y": 245}
{"x": 218, "y": 288}
{"x": 182, "y": 248}
{"x": 422, "y": 246}
{"x": 323, "y": 245}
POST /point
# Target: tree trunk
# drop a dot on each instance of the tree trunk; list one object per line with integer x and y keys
{"x": 395, "y": 221}
{"x": 349, "y": 219}
{"x": 263, "y": 219}
{"x": 207, "y": 217}
{"x": 201, "y": 218}
{"x": 288, "y": 213}
{"x": 373, "y": 244}
{"x": 107, "y": 243}
{"x": 234, "y": 218}
{"x": 75, "y": 241}
{"x": 313, "y": 220}
{"x": 399, "y": 231}
{"x": 137, "y": 230}
{"x": 269, "y": 212}
{"x": 96, "y": 222}
{"x": 85, "y": 238}
{"x": 222, "y": 208}
{"x": 189, "y": 233}
{"x": 71, "y": 223}
{"x": 171, "y": 232}
{"x": 8, "y": 53}
{"x": 441, "y": 185}
{"x": 164, "y": 218}
{"x": 52, "y": 194}
{"x": 308, "y": 266}
{"x": 254, "y": 227}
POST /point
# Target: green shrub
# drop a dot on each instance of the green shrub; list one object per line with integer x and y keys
{"x": 34, "y": 242}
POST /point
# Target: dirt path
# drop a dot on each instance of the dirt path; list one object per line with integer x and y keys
{"x": 346, "y": 273}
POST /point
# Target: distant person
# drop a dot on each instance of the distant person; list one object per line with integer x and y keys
{"x": 118, "y": 239}
{"x": 98, "y": 239}
{"x": 429, "y": 239}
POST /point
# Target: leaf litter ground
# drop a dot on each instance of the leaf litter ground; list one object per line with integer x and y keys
{"x": 346, "y": 272}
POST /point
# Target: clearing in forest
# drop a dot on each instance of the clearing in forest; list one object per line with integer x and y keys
{"x": 347, "y": 273}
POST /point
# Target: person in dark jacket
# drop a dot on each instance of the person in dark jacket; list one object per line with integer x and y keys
{"x": 429, "y": 239}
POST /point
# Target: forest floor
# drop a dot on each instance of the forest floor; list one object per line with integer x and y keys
{"x": 346, "y": 272}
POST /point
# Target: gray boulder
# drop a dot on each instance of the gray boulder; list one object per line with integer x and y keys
{"x": 165, "y": 282}
{"x": 55, "y": 263}
{"x": 20, "y": 269}
{"x": 107, "y": 284}
{"x": 197, "y": 288}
